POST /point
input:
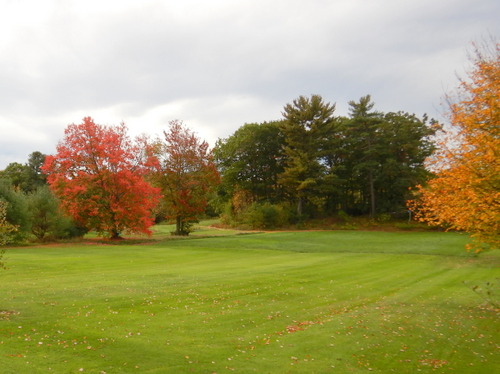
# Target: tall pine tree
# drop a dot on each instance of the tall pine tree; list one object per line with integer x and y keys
{"x": 362, "y": 130}
{"x": 307, "y": 127}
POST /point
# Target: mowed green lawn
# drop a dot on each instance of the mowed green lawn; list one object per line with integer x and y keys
{"x": 285, "y": 302}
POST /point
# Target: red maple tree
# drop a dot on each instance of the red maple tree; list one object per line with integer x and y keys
{"x": 185, "y": 172}
{"x": 98, "y": 174}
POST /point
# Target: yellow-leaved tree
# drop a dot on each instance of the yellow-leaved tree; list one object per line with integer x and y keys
{"x": 465, "y": 193}
{"x": 5, "y": 230}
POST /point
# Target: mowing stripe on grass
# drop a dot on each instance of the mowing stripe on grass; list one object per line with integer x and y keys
{"x": 307, "y": 302}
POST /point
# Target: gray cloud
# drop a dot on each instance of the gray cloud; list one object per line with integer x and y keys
{"x": 219, "y": 64}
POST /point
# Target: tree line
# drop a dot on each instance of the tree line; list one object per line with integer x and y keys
{"x": 28, "y": 207}
{"x": 308, "y": 164}
{"x": 102, "y": 180}
{"x": 312, "y": 163}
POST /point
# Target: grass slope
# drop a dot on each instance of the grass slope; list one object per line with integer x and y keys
{"x": 289, "y": 302}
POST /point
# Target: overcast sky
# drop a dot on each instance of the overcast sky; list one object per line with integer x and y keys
{"x": 219, "y": 64}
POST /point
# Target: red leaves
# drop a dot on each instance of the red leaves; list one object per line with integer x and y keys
{"x": 100, "y": 175}
{"x": 99, "y": 178}
{"x": 184, "y": 170}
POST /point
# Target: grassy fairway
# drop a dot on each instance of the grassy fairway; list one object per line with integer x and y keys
{"x": 306, "y": 302}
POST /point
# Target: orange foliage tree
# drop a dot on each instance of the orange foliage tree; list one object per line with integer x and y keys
{"x": 186, "y": 174}
{"x": 98, "y": 174}
{"x": 465, "y": 194}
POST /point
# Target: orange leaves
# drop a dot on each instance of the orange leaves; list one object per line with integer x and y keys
{"x": 98, "y": 175}
{"x": 465, "y": 195}
{"x": 299, "y": 326}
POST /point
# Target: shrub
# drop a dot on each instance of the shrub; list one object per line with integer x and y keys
{"x": 383, "y": 217}
{"x": 16, "y": 210}
{"x": 343, "y": 217}
{"x": 257, "y": 216}
{"x": 47, "y": 220}
{"x": 266, "y": 216}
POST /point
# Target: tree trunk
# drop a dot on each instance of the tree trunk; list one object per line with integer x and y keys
{"x": 372, "y": 194}
{"x": 178, "y": 225}
{"x": 115, "y": 235}
{"x": 300, "y": 204}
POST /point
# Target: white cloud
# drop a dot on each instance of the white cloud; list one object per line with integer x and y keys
{"x": 219, "y": 64}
